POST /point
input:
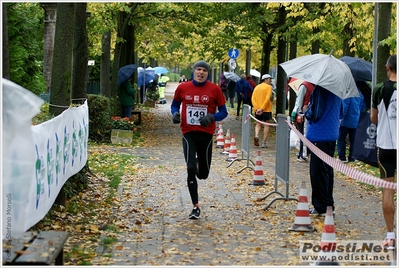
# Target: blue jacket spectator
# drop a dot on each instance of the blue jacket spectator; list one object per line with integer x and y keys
{"x": 323, "y": 132}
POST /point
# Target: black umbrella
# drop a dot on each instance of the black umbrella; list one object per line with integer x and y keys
{"x": 126, "y": 72}
{"x": 365, "y": 89}
{"x": 361, "y": 70}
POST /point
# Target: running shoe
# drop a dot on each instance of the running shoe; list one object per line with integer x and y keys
{"x": 301, "y": 159}
{"x": 264, "y": 145}
{"x": 389, "y": 243}
{"x": 195, "y": 214}
{"x": 256, "y": 141}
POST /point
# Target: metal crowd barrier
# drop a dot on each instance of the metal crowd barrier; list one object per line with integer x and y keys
{"x": 245, "y": 137}
{"x": 282, "y": 160}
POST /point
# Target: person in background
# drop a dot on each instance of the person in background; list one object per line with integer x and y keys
{"x": 162, "y": 81}
{"x": 383, "y": 114}
{"x": 349, "y": 118}
{"x": 201, "y": 103}
{"x": 253, "y": 85}
{"x": 261, "y": 100}
{"x": 322, "y": 130}
{"x": 231, "y": 89}
{"x": 223, "y": 82}
{"x": 301, "y": 105}
{"x": 126, "y": 96}
{"x": 242, "y": 89}
{"x": 183, "y": 79}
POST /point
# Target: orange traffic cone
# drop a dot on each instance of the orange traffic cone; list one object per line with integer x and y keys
{"x": 227, "y": 142}
{"x": 233, "y": 149}
{"x": 302, "y": 216}
{"x": 259, "y": 178}
{"x": 220, "y": 139}
{"x": 328, "y": 243}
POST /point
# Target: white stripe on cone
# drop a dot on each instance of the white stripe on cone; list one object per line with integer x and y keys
{"x": 302, "y": 216}
{"x": 259, "y": 177}
{"x": 233, "y": 148}
{"x": 328, "y": 242}
{"x": 227, "y": 143}
{"x": 220, "y": 139}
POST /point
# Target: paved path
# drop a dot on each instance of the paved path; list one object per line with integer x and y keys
{"x": 234, "y": 228}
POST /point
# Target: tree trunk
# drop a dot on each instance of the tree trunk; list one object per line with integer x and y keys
{"x": 61, "y": 76}
{"x": 105, "y": 64}
{"x": 80, "y": 55}
{"x": 267, "y": 50}
{"x": 316, "y": 43}
{"x": 6, "y": 56}
{"x": 50, "y": 17}
{"x": 348, "y": 32}
{"x": 384, "y": 29}
{"x": 292, "y": 55}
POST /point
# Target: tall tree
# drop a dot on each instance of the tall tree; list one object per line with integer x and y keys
{"x": 50, "y": 18}
{"x": 384, "y": 30}
{"x": 105, "y": 64}
{"x": 61, "y": 76}
{"x": 80, "y": 54}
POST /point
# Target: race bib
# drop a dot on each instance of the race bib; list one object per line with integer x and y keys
{"x": 194, "y": 114}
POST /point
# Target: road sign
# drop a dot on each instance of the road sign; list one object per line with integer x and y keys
{"x": 233, "y": 53}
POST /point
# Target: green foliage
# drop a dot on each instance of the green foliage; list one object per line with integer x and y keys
{"x": 99, "y": 118}
{"x": 26, "y": 45}
{"x": 152, "y": 95}
{"x": 43, "y": 116}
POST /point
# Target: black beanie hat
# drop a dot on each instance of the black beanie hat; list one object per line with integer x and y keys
{"x": 202, "y": 64}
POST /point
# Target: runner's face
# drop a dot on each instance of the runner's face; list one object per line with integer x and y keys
{"x": 200, "y": 75}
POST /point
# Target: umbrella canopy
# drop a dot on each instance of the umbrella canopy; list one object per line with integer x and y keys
{"x": 125, "y": 72}
{"x": 295, "y": 83}
{"x": 254, "y": 72}
{"x": 161, "y": 70}
{"x": 148, "y": 74}
{"x": 231, "y": 76}
{"x": 361, "y": 70}
{"x": 325, "y": 71}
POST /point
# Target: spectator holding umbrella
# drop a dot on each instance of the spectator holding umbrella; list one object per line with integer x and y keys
{"x": 126, "y": 92}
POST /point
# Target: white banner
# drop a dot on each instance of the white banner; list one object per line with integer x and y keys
{"x": 37, "y": 161}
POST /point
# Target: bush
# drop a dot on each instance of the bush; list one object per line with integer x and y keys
{"x": 100, "y": 124}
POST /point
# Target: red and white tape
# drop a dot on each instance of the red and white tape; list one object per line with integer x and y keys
{"x": 345, "y": 169}
{"x": 263, "y": 123}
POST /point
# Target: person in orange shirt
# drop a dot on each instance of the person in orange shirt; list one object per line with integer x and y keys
{"x": 262, "y": 105}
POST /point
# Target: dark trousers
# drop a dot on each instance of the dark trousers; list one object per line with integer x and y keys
{"x": 239, "y": 101}
{"x": 301, "y": 127}
{"x": 322, "y": 178}
{"x": 197, "y": 147}
{"x": 343, "y": 132}
{"x": 126, "y": 111}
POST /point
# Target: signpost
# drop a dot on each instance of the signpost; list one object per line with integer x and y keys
{"x": 233, "y": 54}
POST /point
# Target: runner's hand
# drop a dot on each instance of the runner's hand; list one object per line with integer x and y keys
{"x": 207, "y": 119}
{"x": 176, "y": 118}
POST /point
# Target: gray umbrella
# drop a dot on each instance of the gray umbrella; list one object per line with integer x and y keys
{"x": 325, "y": 71}
{"x": 232, "y": 76}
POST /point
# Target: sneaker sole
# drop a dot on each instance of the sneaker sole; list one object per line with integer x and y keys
{"x": 193, "y": 217}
